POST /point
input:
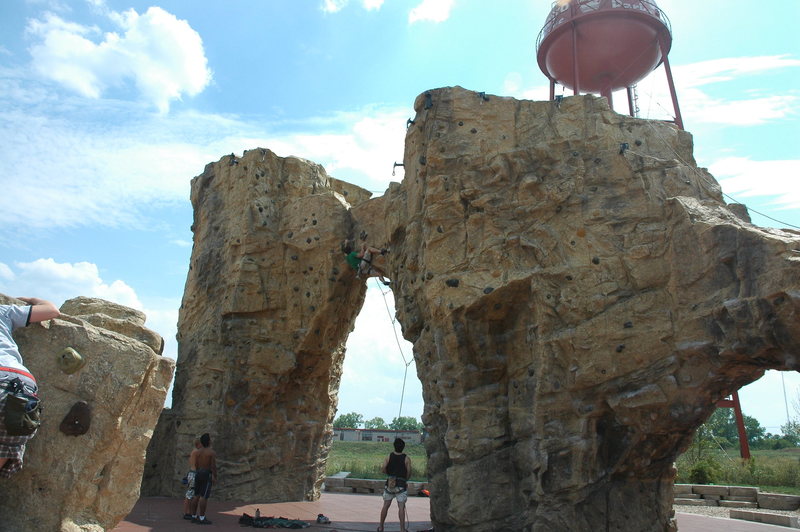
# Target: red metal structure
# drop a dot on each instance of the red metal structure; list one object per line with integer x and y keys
{"x": 601, "y": 46}
{"x": 733, "y": 402}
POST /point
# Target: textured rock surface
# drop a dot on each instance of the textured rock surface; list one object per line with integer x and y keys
{"x": 578, "y": 294}
{"x": 87, "y": 482}
{"x": 268, "y": 304}
{"x": 576, "y": 311}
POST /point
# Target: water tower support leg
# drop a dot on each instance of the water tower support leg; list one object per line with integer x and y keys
{"x": 678, "y": 118}
{"x": 630, "y": 101}
{"x": 575, "y": 80}
{"x": 552, "y": 90}
{"x": 607, "y": 95}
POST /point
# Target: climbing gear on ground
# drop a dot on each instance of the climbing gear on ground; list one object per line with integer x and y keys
{"x": 23, "y": 410}
{"x": 323, "y": 520}
{"x": 70, "y": 361}
{"x": 271, "y": 522}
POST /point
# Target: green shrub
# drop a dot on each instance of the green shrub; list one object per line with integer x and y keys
{"x": 704, "y": 472}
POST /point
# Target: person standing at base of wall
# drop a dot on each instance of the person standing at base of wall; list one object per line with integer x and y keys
{"x": 205, "y": 476}
{"x": 187, "y": 500}
{"x": 398, "y": 466}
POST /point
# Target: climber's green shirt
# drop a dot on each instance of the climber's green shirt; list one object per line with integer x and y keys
{"x": 353, "y": 260}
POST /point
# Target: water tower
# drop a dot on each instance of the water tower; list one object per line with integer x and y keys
{"x": 601, "y": 46}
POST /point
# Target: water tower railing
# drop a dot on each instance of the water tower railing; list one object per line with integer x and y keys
{"x": 562, "y": 13}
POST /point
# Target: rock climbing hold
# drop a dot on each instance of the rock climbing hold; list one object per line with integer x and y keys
{"x": 488, "y": 290}
{"x": 70, "y": 361}
{"x": 595, "y": 260}
{"x": 78, "y": 419}
{"x": 628, "y": 324}
{"x": 452, "y": 282}
{"x": 620, "y": 347}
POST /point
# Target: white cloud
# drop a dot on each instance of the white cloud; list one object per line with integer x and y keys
{"x": 334, "y": 6}
{"x": 60, "y": 281}
{"x": 729, "y": 68}
{"x": 513, "y": 86}
{"x": 374, "y": 367}
{"x": 370, "y": 5}
{"x": 699, "y": 106}
{"x": 431, "y": 10}
{"x": 741, "y": 177}
{"x": 5, "y": 272}
{"x": 161, "y": 54}
{"x": 87, "y": 174}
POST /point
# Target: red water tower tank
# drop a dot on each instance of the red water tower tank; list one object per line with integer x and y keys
{"x": 605, "y": 45}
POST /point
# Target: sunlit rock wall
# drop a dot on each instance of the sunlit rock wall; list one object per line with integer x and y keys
{"x": 579, "y": 297}
{"x": 267, "y": 307}
{"x": 88, "y": 478}
{"x": 578, "y": 294}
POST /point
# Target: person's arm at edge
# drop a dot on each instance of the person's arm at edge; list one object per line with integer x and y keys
{"x": 385, "y": 463}
{"x": 408, "y": 468}
{"x": 41, "y": 309}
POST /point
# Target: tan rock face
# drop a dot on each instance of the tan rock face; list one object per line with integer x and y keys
{"x": 88, "y": 481}
{"x": 578, "y": 295}
{"x": 575, "y": 311}
{"x": 269, "y": 302}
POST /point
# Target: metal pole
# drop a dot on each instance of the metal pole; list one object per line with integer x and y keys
{"x": 744, "y": 446}
{"x": 630, "y": 101}
{"x": 552, "y": 89}
{"x": 575, "y": 79}
{"x": 678, "y": 118}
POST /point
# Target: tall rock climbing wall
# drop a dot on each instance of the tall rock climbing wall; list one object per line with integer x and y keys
{"x": 267, "y": 307}
{"x": 102, "y": 384}
{"x": 577, "y": 291}
{"x": 579, "y": 297}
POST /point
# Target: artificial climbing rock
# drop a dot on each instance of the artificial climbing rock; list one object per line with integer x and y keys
{"x": 577, "y": 309}
{"x": 78, "y": 419}
{"x": 86, "y": 483}
{"x": 268, "y": 304}
{"x": 70, "y": 361}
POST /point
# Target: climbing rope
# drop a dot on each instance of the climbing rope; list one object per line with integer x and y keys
{"x": 703, "y": 178}
{"x": 406, "y": 362}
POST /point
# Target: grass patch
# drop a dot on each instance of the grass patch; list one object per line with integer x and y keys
{"x": 364, "y": 459}
{"x": 773, "y": 471}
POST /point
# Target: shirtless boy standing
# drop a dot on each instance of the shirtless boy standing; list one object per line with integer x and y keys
{"x": 206, "y": 474}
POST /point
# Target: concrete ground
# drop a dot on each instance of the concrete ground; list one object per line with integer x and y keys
{"x": 347, "y": 513}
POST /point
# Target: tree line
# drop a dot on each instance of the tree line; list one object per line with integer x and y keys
{"x": 720, "y": 431}
{"x": 354, "y": 420}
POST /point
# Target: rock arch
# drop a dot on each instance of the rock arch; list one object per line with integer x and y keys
{"x": 577, "y": 291}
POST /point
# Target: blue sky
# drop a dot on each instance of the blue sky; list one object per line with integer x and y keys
{"x": 109, "y": 107}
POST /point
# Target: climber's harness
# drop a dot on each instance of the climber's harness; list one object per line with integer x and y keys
{"x": 22, "y": 409}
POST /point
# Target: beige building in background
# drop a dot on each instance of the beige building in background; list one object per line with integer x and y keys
{"x": 377, "y": 435}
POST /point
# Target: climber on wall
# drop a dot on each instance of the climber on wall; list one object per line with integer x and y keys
{"x": 363, "y": 261}
{"x": 19, "y": 404}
